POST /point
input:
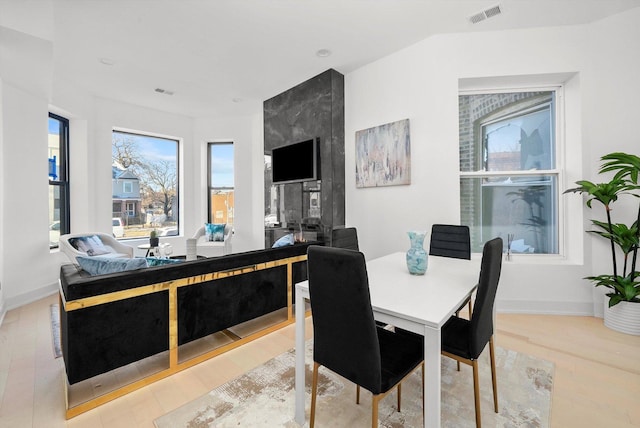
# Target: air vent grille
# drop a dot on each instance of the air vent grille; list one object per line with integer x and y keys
{"x": 478, "y": 17}
{"x": 493, "y": 11}
{"x": 485, "y": 14}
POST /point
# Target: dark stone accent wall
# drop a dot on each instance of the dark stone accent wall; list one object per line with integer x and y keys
{"x": 312, "y": 109}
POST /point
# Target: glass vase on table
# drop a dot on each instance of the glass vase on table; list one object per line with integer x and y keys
{"x": 416, "y": 255}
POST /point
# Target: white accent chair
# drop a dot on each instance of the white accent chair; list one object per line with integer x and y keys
{"x": 113, "y": 247}
{"x": 213, "y": 248}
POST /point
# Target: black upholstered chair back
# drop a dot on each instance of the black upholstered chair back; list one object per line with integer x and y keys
{"x": 344, "y": 331}
{"x": 482, "y": 318}
{"x": 345, "y": 237}
{"x": 450, "y": 241}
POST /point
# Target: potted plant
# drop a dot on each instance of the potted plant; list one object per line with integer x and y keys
{"x": 622, "y": 311}
{"x": 154, "y": 241}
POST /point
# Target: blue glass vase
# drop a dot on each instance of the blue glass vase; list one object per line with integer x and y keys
{"x": 416, "y": 255}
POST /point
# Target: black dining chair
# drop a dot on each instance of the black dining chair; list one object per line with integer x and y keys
{"x": 346, "y": 338}
{"x": 448, "y": 240}
{"x": 345, "y": 237}
{"x": 464, "y": 340}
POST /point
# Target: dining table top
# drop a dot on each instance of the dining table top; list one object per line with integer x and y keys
{"x": 425, "y": 299}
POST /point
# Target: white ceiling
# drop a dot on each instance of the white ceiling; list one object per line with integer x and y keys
{"x": 212, "y": 52}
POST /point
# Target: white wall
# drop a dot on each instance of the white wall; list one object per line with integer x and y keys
{"x": 28, "y": 266}
{"x": 421, "y": 83}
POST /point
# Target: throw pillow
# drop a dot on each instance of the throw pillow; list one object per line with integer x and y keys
{"x": 284, "y": 241}
{"x": 103, "y": 265}
{"x": 97, "y": 247}
{"x": 214, "y": 231}
{"x": 92, "y": 245}
{"x": 154, "y": 261}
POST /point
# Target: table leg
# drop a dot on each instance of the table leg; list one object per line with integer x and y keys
{"x": 300, "y": 372}
{"x": 432, "y": 382}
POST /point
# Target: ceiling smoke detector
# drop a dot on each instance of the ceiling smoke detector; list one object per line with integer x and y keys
{"x": 485, "y": 14}
{"x": 163, "y": 91}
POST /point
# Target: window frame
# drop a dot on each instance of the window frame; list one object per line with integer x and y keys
{"x": 178, "y": 174}
{"x": 210, "y": 187}
{"x": 62, "y": 181}
{"x": 559, "y": 170}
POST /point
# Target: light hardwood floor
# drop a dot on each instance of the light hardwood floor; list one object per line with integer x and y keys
{"x": 596, "y": 380}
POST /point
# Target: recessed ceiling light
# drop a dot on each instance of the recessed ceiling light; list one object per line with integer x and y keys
{"x": 323, "y": 53}
{"x": 107, "y": 61}
{"x": 236, "y": 100}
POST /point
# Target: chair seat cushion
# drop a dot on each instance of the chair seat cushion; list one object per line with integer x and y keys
{"x": 455, "y": 337}
{"x": 400, "y": 355}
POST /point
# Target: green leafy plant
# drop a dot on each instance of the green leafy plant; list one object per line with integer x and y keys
{"x": 153, "y": 234}
{"x": 624, "y": 285}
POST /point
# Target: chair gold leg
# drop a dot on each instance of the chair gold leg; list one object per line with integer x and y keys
{"x": 399, "y": 394}
{"x": 357, "y": 394}
{"x": 458, "y": 363}
{"x": 492, "y": 354}
{"x": 476, "y": 393}
{"x": 374, "y": 410}
{"x": 314, "y": 388}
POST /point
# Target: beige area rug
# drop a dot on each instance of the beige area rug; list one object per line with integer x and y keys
{"x": 264, "y": 397}
{"x": 54, "y": 313}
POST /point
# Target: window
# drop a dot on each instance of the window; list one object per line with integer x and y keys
{"x": 220, "y": 183}
{"x": 509, "y": 170}
{"x": 145, "y": 184}
{"x": 58, "y": 147}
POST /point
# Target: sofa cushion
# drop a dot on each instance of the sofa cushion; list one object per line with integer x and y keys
{"x": 104, "y": 265}
{"x": 214, "y": 231}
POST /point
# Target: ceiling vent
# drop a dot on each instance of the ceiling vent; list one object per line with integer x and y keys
{"x": 485, "y": 14}
{"x": 163, "y": 91}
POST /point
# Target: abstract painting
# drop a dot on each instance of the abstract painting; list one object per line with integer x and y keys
{"x": 383, "y": 155}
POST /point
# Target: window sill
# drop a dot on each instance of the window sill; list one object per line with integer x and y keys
{"x": 533, "y": 259}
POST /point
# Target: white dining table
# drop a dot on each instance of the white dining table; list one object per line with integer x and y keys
{"x": 418, "y": 303}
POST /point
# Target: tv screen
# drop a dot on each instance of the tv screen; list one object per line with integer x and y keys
{"x": 295, "y": 162}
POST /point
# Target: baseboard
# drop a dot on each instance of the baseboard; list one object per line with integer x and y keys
{"x": 31, "y": 296}
{"x": 544, "y": 307}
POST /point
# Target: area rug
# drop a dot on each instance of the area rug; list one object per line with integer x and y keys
{"x": 54, "y": 313}
{"x": 264, "y": 397}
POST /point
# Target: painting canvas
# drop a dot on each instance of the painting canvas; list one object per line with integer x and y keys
{"x": 383, "y": 155}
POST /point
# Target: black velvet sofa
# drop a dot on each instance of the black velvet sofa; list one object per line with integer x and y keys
{"x": 108, "y": 321}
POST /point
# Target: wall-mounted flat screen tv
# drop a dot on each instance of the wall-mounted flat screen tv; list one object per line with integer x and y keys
{"x": 295, "y": 162}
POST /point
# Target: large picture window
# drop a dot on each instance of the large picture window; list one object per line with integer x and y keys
{"x": 221, "y": 183}
{"x": 144, "y": 185}
{"x": 58, "y": 151}
{"x": 509, "y": 169}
